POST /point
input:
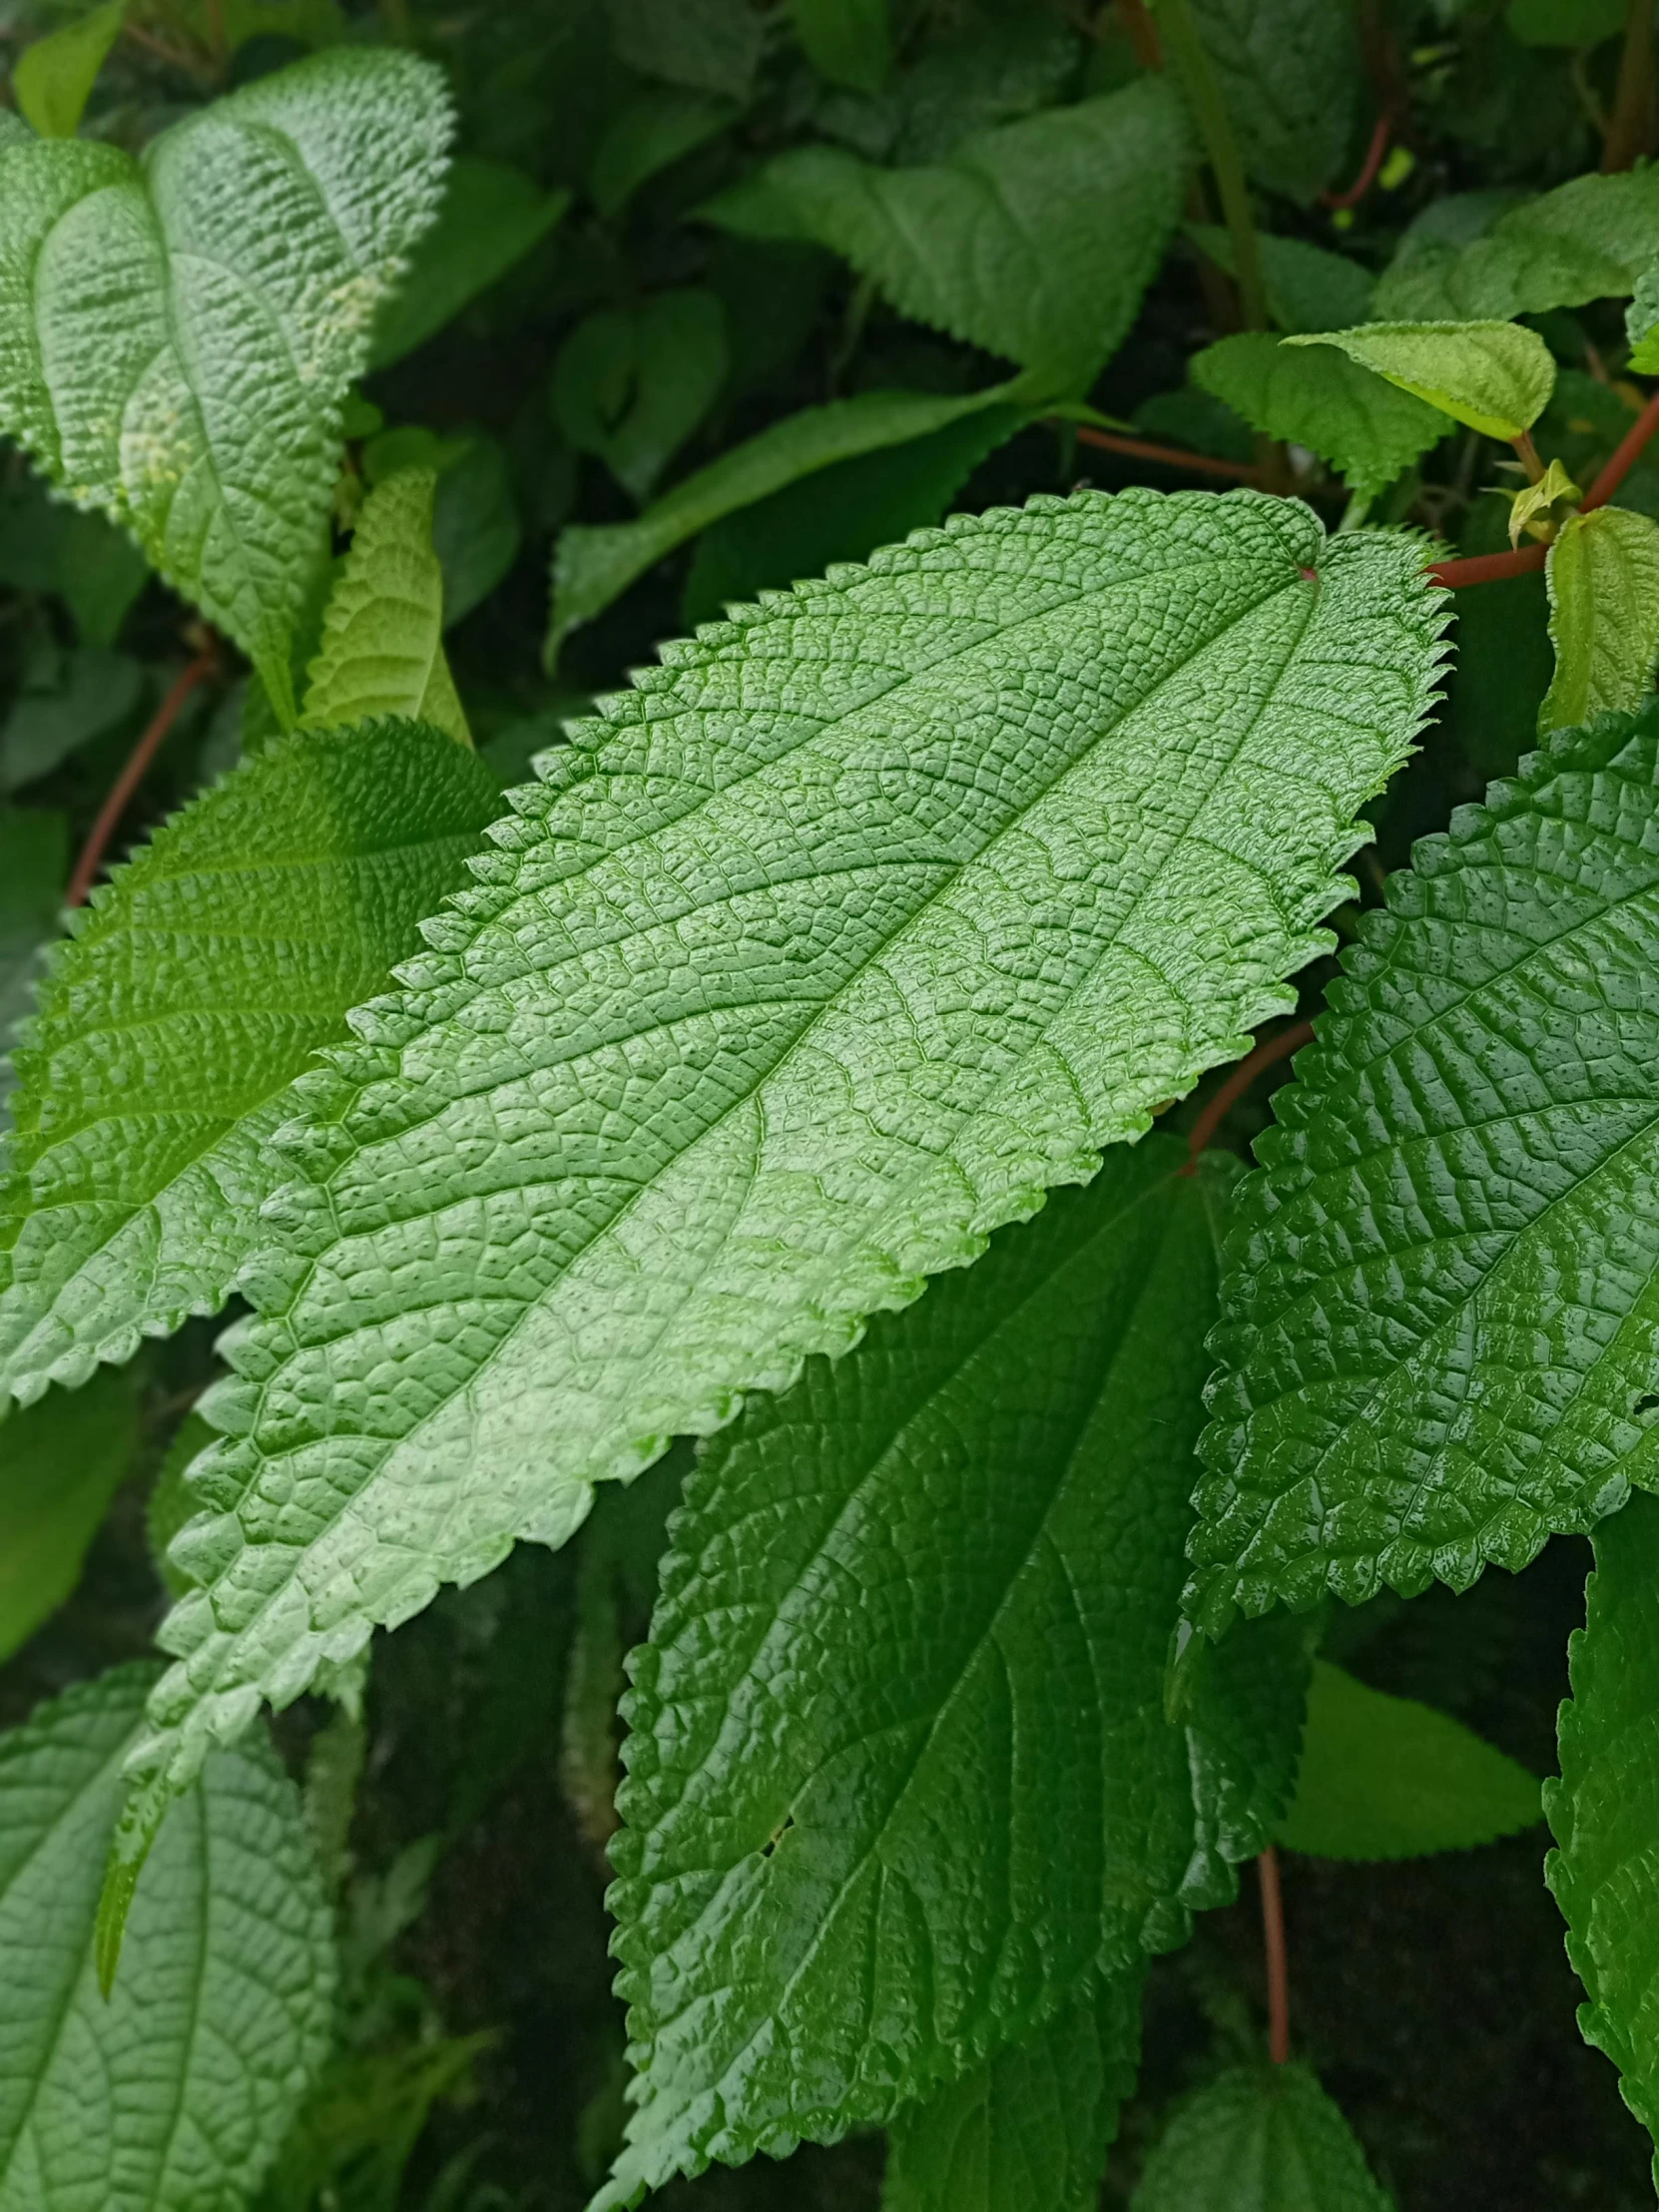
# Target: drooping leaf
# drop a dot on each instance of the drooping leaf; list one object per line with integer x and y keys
{"x": 1588, "y": 239}
{"x": 1363, "y": 425}
{"x": 1308, "y": 287}
{"x": 647, "y": 136}
{"x": 593, "y": 564}
{"x": 1387, "y": 1778}
{"x": 1031, "y": 2127}
{"x": 1604, "y": 615}
{"x": 490, "y": 217}
{"x": 851, "y": 1864}
{"x": 847, "y": 41}
{"x": 1260, "y": 2139}
{"x": 632, "y": 385}
{"x": 60, "y": 1464}
{"x": 382, "y": 635}
{"x": 179, "y": 2089}
{"x": 1035, "y": 240}
{"x": 1439, "y": 1304}
{"x": 177, "y": 335}
{"x": 195, "y": 988}
{"x": 1289, "y": 72}
{"x": 1603, "y": 1811}
{"x": 1495, "y": 376}
{"x": 55, "y": 75}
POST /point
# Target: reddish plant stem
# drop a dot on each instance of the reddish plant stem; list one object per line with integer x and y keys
{"x": 1272, "y": 1943}
{"x": 1630, "y": 133}
{"x": 1143, "y": 33}
{"x": 1625, "y": 458}
{"x": 1489, "y": 568}
{"x": 115, "y": 806}
{"x": 1173, "y": 456}
{"x": 1369, "y": 171}
{"x": 1216, "y": 1111}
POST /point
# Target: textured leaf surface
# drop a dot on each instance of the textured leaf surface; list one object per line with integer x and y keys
{"x": 382, "y": 633}
{"x": 1495, "y": 376}
{"x": 1035, "y": 240}
{"x": 1308, "y": 287}
{"x": 176, "y": 2094}
{"x": 195, "y": 988}
{"x": 177, "y": 336}
{"x": 490, "y": 217}
{"x": 820, "y": 955}
{"x": 900, "y": 1773}
{"x": 1367, "y": 430}
{"x": 1588, "y": 239}
{"x": 1439, "y": 1313}
{"x": 1604, "y": 1808}
{"x": 1641, "y": 322}
{"x": 1261, "y": 2139}
{"x": 60, "y": 1464}
{"x": 1288, "y": 71}
{"x": 1604, "y": 615}
{"x": 1031, "y": 2128}
{"x": 1388, "y": 1778}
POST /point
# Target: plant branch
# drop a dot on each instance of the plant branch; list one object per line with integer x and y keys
{"x": 1630, "y": 133}
{"x": 1141, "y": 32}
{"x": 1272, "y": 1943}
{"x": 115, "y": 806}
{"x": 1221, "y": 151}
{"x": 1173, "y": 456}
{"x": 1218, "y": 1108}
{"x": 1487, "y": 568}
{"x": 1368, "y": 170}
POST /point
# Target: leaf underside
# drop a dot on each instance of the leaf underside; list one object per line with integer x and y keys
{"x": 1260, "y": 2139}
{"x": 1440, "y": 1316}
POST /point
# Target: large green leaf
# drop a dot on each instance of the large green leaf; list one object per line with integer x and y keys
{"x": 821, "y": 954}
{"x": 177, "y": 335}
{"x": 1493, "y": 377}
{"x": 1604, "y": 615}
{"x": 195, "y": 988}
{"x": 1439, "y": 1300}
{"x": 1365, "y": 428}
{"x": 1588, "y": 239}
{"x": 1035, "y": 240}
{"x": 1260, "y": 2139}
{"x": 900, "y": 1773}
{"x": 176, "y": 2093}
{"x": 1028, "y": 2132}
{"x": 1604, "y": 1809}
{"x": 60, "y": 1464}
{"x": 1289, "y": 72}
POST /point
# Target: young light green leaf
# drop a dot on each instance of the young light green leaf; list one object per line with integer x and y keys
{"x": 632, "y": 385}
{"x": 847, "y": 41}
{"x": 177, "y": 336}
{"x": 382, "y": 633}
{"x": 1387, "y": 1778}
{"x": 1604, "y": 615}
{"x": 1260, "y": 2139}
{"x": 55, "y": 75}
{"x": 1493, "y": 377}
{"x": 60, "y": 1464}
{"x": 1603, "y": 1810}
{"x": 1366, "y": 430}
{"x": 1439, "y": 1300}
{"x": 179, "y": 2089}
{"x": 1289, "y": 72}
{"x": 1031, "y": 2127}
{"x": 490, "y": 217}
{"x": 1588, "y": 239}
{"x": 592, "y": 565}
{"x": 1541, "y": 509}
{"x": 846, "y": 1873}
{"x": 649, "y": 135}
{"x": 1035, "y": 240}
{"x": 1307, "y": 288}
{"x": 195, "y": 988}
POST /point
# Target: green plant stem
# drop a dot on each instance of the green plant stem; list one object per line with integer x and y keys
{"x": 1630, "y": 133}
{"x": 1529, "y": 460}
{"x": 1222, "y": 151}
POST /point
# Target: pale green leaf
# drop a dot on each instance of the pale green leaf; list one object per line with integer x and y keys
{"x": 632, "y": 385}
{"x": 1604, "y": 615}
{"x": 847, "y": 41}
{"x": 177, "y": 336}
{"x": 489, "y": 217}
{"x": 646, "y": 137}
{"x": 1604, "y": 1809}
{"x": 1588, "y": 239}
{"x": 1288, "y": 73}
{"x": 382, "y": 633}
{"x": 1541, "y": 509}
{"x": 178, "y": 2090}
{"x": 1260, "y": 2139}
{"x": 1366, "y": 430}
{"x": 851, "y": 1866}
{"x": 196, "y": 986}
{"x": 1028, "y": 2132}
{"x": 1493, "y": 377}
{"x": 60, "y": 1464}
{"x": 55, "y": 75}
{"x": 1036, "y": 240}
{"x": 1308, "y": 287}
{"x": 1387, "y": 1778}
{"x": 822, "y": 954}
{"x": 1439, "y": 1300}
{"x": 593, "y": 564}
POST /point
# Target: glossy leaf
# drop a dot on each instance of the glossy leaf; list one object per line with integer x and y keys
{"x": 633, "y": 385}
{"x": 1604, "y": 615}
{"x": 1260, "y": 2139}
{"x": 55, "y": 75}
{"x": 1289, "y": 72}
{"x": 767, "y": 1006}
{"x": 194, "y": 988}
{"x": 1603, "y": 1809}
{"x": 177, "y": 336}
{"x": 1493, "y": 377}
{"x": 1439, "y": 1309}
{"x": 851, "y": 1865}
{"x": 382, "y": 633}
{"x": 60, "y": 1464}
{"x": 1588, "y": 239}
{"x": 490, "y": 217}
{"x": 178, "y": 2090}
{"x": 1388, "y": 1778}
{"x": 1366, "y": 430}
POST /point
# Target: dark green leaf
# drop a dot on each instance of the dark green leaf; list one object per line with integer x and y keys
{"x": 632, "y": 385}
{"x": 61, "y": 1462}
{"x": 1289, "y": 70}
{"x": 711, "y": 45}
{"x": 476, "y": 532}
{"x": 649, "y": 135}
{"x": 1307, "y": 288}
{"x": 1588, "y": 239}
{"x": 847, "y": 41}
{"x": 488, "y": 220}
{"x": 67, "y": 699}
